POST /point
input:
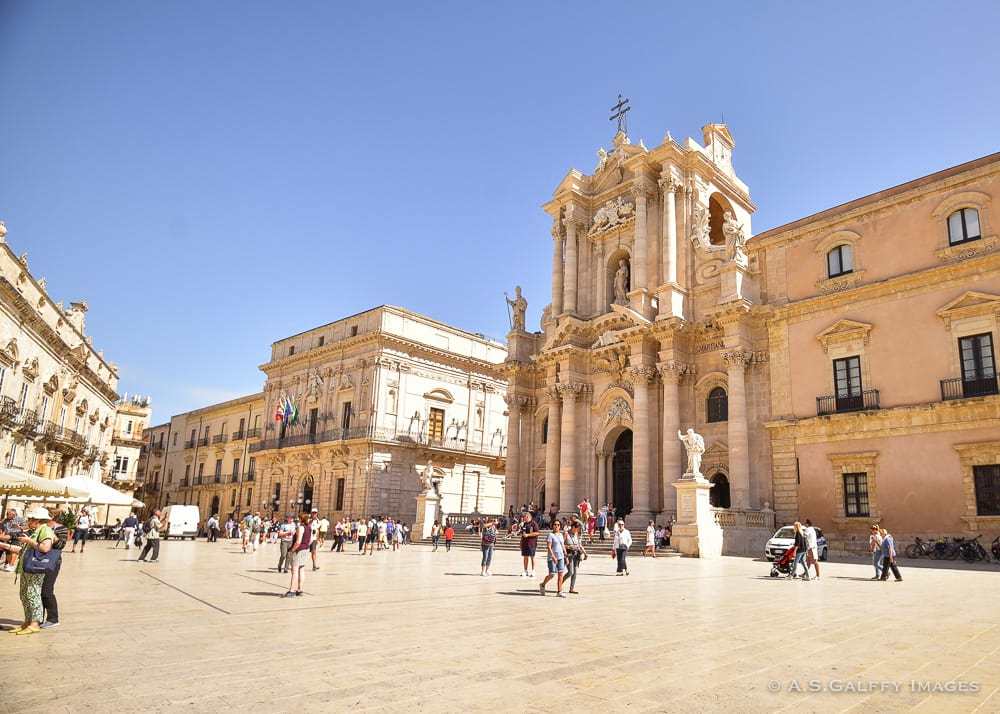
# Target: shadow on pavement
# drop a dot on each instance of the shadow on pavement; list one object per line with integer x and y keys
{"x": 533, "y": 593}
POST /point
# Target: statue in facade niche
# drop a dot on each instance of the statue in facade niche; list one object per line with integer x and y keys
{"x": 736, "y": 238}
{"x": 602, "y": 159}
{"x": 621, "y": 283}
{"x": 695, "y": 445}
{"x": 519, "y": 306}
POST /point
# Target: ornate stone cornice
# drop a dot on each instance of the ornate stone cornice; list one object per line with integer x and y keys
{"x": 572, "y": 390}
{"x": 515, "y": 401}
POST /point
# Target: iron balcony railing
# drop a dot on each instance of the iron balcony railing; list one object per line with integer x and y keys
{"x": 494, "y": 447}
{"x": 203, "y": 441}
{"x": 835, "y": 404}
{"x": 8, "y": 410}
{"x": 62, "y": 438}
{"x": 253, "y": 433}
{"x": 218, "y": 438}
{"x": 189, "y": 444}
{"x": 961, "y": 388}
{"x": 237, "y": 436}
{"x": 184, "y": 482}
{"x": 313, "y": 437}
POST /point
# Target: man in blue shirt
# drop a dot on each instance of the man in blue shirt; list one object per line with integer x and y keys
{"x": 557, "y": 559}
{"x": 889, "y": 556}
{"x": 602, "y": 521}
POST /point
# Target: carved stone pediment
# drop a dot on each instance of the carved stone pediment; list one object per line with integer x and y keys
{"x": 970, "y": 304}
{"x": 844, "y": 331}
{"x": 619, "y": 413}
{"x": 615, "y": 213}
{"x": 51, "y": 385}
{"x": 30, "y": 368}
{"x": 9, "y": 354}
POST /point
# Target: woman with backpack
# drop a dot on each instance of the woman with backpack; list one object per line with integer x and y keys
{"x": 575, "y": 554}
{"x": 488, "y": 540}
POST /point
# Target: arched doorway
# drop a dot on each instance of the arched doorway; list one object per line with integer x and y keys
{"x": 719, "y": 495}
{"x": 215, "y": 506}
{"x": 621, "y": 473}
{"x": 307, "y": 494}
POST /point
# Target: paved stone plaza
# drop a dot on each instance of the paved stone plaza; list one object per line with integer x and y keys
{"x": 205, "y": 630}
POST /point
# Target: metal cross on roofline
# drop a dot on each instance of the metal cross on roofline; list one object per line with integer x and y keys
{"x": 620, "y": 110}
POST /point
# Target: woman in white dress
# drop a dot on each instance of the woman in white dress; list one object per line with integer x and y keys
{"x": 650, "y": 540}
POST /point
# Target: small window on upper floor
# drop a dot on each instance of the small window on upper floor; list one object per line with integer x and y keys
{"x": 963, "y": 225}
{"x": 322, "y": 340}
{"x": 291, "y": 350}
{"x": 840, "y": 261}
{"x": 354, "y": 330}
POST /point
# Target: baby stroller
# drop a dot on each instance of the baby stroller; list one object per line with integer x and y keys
{"x": 783, "y": 565}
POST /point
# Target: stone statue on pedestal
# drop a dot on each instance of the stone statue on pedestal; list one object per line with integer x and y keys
{"x": 695, "y": 445}
{"x": 427, "y": 480}
{"x": 519, "y": 306}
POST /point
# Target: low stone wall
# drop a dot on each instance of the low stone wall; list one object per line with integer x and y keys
{"x": 745, "y": 541}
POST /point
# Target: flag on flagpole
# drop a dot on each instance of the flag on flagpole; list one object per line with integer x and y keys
{"x": 279, "y": 410}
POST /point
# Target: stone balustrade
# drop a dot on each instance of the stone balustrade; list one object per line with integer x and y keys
{"x": 744, "y": 518}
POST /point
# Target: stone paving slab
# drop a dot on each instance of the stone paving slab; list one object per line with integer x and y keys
{"x": 204, "y": 630}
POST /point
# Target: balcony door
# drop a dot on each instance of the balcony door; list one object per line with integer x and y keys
{"x": 979, "y": 376}
{"x": 847, "y": 384}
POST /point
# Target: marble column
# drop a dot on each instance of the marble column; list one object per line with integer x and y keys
{"x": 642, "y": 483}
{"x": 567, "y": 452}
{"x": 671, "y": 374}
{"x": 572, "y": 270}
{"x": 639, "y": 277}
{"x": 739, "y": 444}
{"x": 669, "y": 185}
{"x": 512, "y": 479}
{"x": 552, "y": 446}
{"x": 557, "y": 270}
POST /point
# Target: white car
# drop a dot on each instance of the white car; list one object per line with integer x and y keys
{"x": 182, "y": 522}
{"x": 784, "y": 538}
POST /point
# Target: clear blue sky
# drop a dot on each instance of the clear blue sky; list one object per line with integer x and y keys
{"x": 211, "y": 177}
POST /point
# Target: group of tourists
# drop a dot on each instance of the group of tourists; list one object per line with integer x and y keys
{"x": 882, "y": 546}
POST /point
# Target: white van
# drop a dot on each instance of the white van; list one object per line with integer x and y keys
{"x": 182, "y": 522}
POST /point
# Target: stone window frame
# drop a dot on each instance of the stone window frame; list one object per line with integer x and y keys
{"x": 971, "y": 313}
{"x": 702, "y": 388}
{"x": 847, "y": 338}
{"x": 844, "y": 281}
{"x": 978, "y": 200}
{"x": 979, "y": 453}
{"x": 865, "y": 462}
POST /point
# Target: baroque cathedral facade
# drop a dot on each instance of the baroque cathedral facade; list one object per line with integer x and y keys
{"x": 789, "y": 351}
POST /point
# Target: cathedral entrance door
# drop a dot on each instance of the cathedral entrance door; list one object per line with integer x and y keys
{"x": 621, "y": 474}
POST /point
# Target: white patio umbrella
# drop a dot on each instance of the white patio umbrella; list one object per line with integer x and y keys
{"x": 91, "y": 491}
{"x": 20, "y": 484}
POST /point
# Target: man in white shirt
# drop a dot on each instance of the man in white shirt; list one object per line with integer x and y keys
{"x": 286, "y": 531}
{"x": 324, "y": 526}
{"x": 362, "y": 535}
{"x": 812, "y": 554}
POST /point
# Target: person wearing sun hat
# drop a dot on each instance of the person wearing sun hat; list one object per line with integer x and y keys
{"x": 41, "y": 539}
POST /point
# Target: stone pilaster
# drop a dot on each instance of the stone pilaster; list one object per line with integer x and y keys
{"x": 557, "y": 270}
{"x": 642, "y": 482}
{"x": 602, "y": 479}
{"x": 552, "y": 447}
{"x": 739, "y": 443}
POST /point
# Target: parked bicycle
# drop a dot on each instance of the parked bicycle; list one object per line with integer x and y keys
{"x": 921, "y": 548}
{"x": 972, "y": 550}
{"x": 996, "y": 548}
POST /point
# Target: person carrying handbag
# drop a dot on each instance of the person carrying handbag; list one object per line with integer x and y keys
{"x": 37, "y": 558}
{"x": 575, "y": 553}
{"x": 620, "y": 546}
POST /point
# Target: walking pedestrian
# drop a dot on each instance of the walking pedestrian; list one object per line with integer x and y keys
{"x": 80, "y": 533}
{"x": 324, "y": 527}
{"x": 575, "y": 554}
{"x": 812, "y": 548}
{"x": 129, "y": 526}
{"x": 620, "y": 545}
{"x": 875, "y": 548}
{"x": 487, "y": 541}
{"x": 213, "y": 528}
{"x": 553, "y": 513}
{"x": 800, "y": 553}
{"x": 286, "y": 533}
{"x": 435, "y": 535}
{"x": 556, "y": 548}
{"x": 650, "y": 548}
{"x": 449, "y": 536}
{"x": 300, "y": 555}
{"x": 529, "y": 542}
{"x": 152, "y": 528}
{"x": 314, "y": 529}
{"x": 49, "y": 602}
{"x": 889, "y": 556}
{"x": 362, "y": 531}
{"x": 602, "y": 521}
{"x": 40, "y": 541}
